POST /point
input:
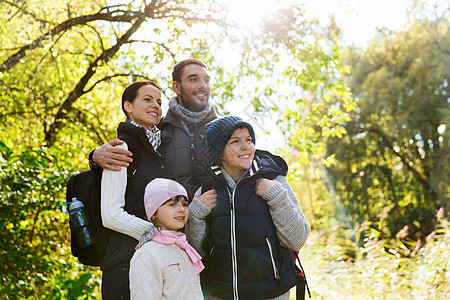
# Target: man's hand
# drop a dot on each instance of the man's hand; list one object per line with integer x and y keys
{"x": 110, "y": 157}
{"x": 262, "y": 185}
{"x": 209, "y": 199}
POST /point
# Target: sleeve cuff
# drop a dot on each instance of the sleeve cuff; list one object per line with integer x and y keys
{"x": 198, "y": 209}
{"x": 273, "y": 192}
{"x": 92, "y": 164}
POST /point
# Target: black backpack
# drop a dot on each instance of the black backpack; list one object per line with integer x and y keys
{"x": 85, "y": 187}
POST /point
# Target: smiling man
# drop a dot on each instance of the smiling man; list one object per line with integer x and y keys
{"x": 191, "y": 84}
{"x": 183, "y": 137}
{"x": 183, "y": 128}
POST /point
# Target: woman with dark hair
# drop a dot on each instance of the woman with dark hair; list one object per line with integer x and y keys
{"x": 122, "y": 192}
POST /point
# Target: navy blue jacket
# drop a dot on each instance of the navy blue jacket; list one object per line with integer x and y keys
{"x": 246, "y": 257}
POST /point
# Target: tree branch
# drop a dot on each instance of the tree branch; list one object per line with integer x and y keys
{"x": 112, "y": 16}
{"x": 24, "y": 11}
{"x": 106, "y": 78}
{"x": 159, "y": 44}
{"x": 78, "y": 91}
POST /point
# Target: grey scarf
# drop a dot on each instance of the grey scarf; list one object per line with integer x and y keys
{"x": 186, "y": 116}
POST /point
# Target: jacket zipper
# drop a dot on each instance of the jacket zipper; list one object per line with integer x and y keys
{"x": 233, "y": 243}
{"x": 233, "y": 238}
{"x": 275, "y": 270}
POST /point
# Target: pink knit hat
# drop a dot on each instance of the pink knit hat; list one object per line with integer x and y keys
{"x": 158, "y": 191}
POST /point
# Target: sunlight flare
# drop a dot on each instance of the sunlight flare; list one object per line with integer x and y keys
{"x": 249, "y": 13}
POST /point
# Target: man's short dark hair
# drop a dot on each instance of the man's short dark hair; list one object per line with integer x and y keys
{"x": 179, "y": 67}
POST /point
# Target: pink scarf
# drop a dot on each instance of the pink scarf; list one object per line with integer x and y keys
{"x": 167, "y": 237}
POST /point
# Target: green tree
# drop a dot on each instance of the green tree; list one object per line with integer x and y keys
{"x": 63, "y": 65}
{"x": 61, "y": 72}
{"x": 305, "y": 87}
{"x": 296, "y": 65}
{"x": 61, "y": 77}
{"x": 393, "y": 166}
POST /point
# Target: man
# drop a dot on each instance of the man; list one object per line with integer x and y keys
{"x": 183, "y": 138}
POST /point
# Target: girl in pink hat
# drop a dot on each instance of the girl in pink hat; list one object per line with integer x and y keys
{"x": 165, "y": 266}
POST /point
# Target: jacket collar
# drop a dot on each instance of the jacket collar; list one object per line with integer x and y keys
{"x": 138, "y": 133}
{"x": 264, "y": 162}
{"x": 254, "y": 168}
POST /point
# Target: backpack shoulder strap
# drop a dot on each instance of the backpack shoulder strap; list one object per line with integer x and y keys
{"x": 135, "y": 147}
{"x": 301, "y": 278}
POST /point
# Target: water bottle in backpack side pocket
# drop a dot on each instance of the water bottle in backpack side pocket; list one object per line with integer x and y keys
{"x": 80, "y": 222}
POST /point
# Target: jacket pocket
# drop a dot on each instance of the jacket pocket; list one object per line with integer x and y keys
{"x": 275, "y": 270}
{"x": 174, "y": 266}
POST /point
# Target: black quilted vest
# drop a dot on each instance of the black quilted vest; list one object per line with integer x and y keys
{"x": 184, "y": 155}
{"x": 240, "y": 226}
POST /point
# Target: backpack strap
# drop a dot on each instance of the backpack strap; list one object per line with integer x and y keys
{"x": 135, "y": 147}
{"x": 301, "y": 278}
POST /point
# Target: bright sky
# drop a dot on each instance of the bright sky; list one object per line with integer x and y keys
{"x": 360, "y": 18}
{"x": 357, "y": 18}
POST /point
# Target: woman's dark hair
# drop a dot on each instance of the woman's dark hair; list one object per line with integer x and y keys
{"x": 179, "y": 67}
{"x": 130, "y": 92}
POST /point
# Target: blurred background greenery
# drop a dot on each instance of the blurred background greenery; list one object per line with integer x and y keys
{"x": 363, "y": 127}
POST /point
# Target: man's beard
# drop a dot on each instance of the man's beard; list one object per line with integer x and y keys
{"x": 190, "y": 104}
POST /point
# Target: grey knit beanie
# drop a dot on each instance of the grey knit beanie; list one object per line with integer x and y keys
{"x": 219, "y": 131}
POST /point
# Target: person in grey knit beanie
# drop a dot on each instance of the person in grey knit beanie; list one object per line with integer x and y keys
{"x": 247, "y": 235}
{"x": 219, "y": 131}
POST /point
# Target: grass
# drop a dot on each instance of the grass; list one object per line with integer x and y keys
{"x": 378, "y": 271}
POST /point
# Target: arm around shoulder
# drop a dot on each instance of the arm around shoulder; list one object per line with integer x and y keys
{"x": 110, "y": 156}
{"x": 112, "y": 203}
{"x": 195, "y": 229}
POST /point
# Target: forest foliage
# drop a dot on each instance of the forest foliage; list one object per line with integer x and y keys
{"x": 366, "y": 129}
{"x": 394, "y": 162}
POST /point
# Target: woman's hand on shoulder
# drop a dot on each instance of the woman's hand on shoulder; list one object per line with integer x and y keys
{"x": 262, "y": 185}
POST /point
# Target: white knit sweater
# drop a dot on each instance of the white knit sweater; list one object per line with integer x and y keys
{"x": 114, "y": 216}
{"x": 159, "y": 271}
